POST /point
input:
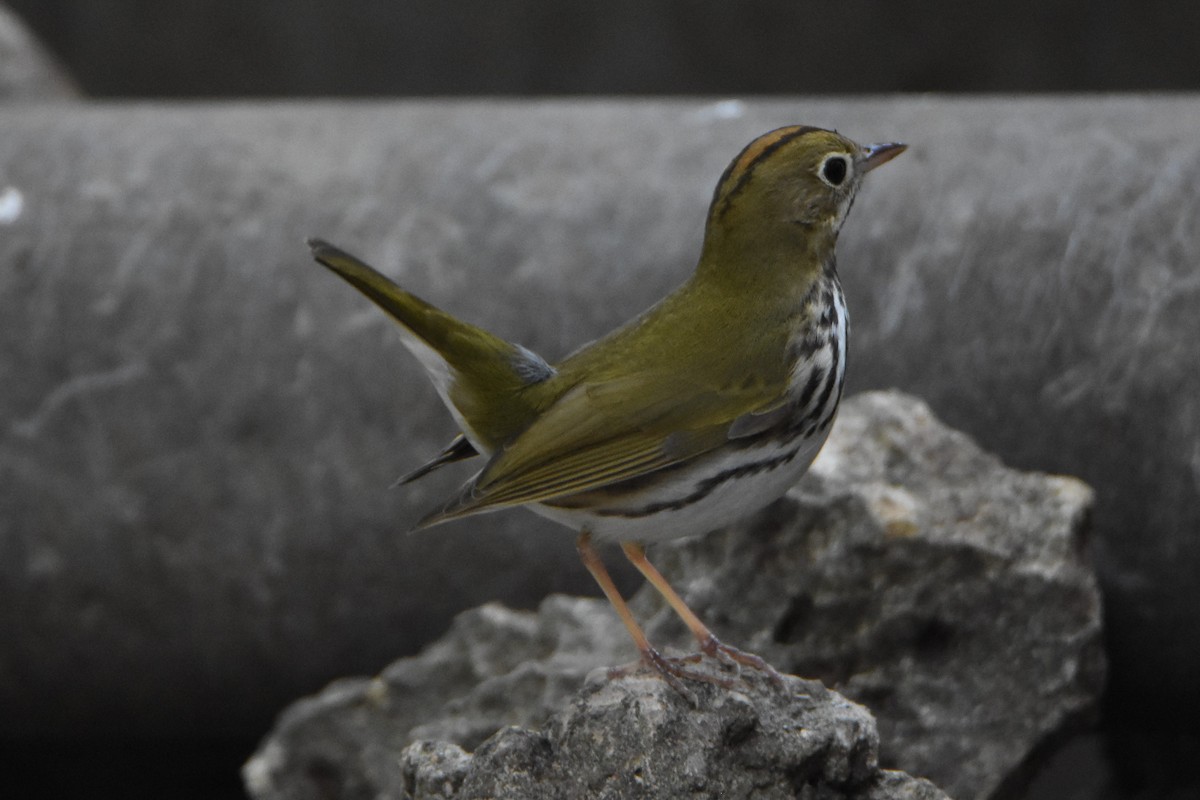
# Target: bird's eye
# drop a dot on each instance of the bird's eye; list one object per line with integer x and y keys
{"x": 833, "y": 171}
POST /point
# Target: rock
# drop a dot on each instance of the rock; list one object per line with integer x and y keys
{"x": 914, "y": 572}
{"x": 636, "y": 737}
{"x": 200, "y": 424}
{"x": 495, "y": 667}
{"x": 27, "y": 71}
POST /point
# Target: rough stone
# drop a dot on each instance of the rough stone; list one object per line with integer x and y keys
{"x": 915, "y": 572}
{"x": 199, "y": 424}
{"x": 27, "y": 71}
{"x": 633, "y": 736}
{"x": 495, "y": 667}
{"x": 943, "y": 591}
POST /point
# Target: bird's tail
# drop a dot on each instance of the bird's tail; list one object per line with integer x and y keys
{"x": 478, "y": 375}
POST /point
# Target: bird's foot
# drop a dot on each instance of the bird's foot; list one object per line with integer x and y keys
{"x": 735, "y": 659}
{"x": 678, "y": 670}
{"x": 675, "y": 671}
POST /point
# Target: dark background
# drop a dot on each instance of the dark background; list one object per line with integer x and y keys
{"x": 284, "y": 48}
{"x": 223, "y": 48}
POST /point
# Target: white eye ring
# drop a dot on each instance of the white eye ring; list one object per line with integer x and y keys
{"x": 835, "y": 169}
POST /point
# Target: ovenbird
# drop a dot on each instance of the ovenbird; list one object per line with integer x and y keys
{"x": 707, "y": 406}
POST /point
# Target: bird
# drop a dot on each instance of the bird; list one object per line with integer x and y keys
{"x": 704, "y": 408}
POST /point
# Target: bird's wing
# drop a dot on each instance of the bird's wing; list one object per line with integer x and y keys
{"x": 600, "y": 433}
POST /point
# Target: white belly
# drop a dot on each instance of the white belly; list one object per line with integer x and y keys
{"x": 700, "y": 498}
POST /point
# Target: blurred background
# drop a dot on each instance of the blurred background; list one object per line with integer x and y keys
{"x": 401, "y": 48}
{"x": 238, "y": 49}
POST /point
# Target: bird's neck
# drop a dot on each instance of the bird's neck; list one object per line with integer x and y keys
{"x": 767, "y": 262}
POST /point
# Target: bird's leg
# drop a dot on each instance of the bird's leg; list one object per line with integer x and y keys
{"x": 709, "y": 644}
{"x": 670, "y": 669}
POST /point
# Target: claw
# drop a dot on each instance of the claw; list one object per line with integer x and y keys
{"x": 726, "y": 660}
{"x": 674, "y": 671}
{"x": 729, "y": 655}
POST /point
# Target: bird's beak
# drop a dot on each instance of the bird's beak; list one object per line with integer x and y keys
{"x": 876, "y": 154}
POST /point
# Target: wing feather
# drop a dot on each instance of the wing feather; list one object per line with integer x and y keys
{"x": 601, "y": 433}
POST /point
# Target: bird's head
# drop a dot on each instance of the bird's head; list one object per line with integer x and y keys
{"x": 793, "y": 182}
